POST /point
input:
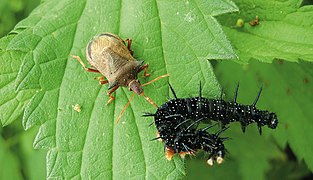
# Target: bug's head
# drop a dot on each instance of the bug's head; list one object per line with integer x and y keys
{"x": 135, "y": 86}
{"x": 273, "y": 121}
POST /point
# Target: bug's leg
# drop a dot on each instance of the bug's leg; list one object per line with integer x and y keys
{"x": 163, "y": 76}
{"x": 101, "y": 80}
{"x": 110, "y": 96}
{"x": 84, "y": 66}
{"x": 124, "y": 109}
{"x": 129, "y": 43}
{"x": 144, "y": 67}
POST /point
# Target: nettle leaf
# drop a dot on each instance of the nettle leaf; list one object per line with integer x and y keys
{"x": 284, "y": 31}
{"x": 174, "y": 37}
{"x": 12, "y": 102}
{"x": 288, "y": 94}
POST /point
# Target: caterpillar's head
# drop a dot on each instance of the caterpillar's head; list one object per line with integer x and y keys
{"x": 272, "y": 121}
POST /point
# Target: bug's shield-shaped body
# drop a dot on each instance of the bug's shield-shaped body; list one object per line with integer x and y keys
{"x": 108, "y": 54}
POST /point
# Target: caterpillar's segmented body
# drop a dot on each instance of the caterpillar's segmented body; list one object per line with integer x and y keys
{"x": 216, "y": 110}
{"x": 177, "y": 123}
{"x": 183, "y": 137}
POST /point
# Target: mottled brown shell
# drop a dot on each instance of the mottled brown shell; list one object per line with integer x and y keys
{"x": 109, "y": 55}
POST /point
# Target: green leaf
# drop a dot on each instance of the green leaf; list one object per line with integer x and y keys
{"x": 173, "y": 37}
{"x": 12, "y": 102}
{"x": 284, "y": 31}
{"x": 287, "y": 90}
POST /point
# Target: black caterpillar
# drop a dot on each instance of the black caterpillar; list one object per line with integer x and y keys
{"x": 199, "y": 108}
{"x": 177, "y": 121}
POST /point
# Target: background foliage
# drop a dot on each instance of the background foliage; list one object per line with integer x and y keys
{"x": 40, "y": 84}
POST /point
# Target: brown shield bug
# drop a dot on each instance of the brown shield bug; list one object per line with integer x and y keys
{"x": 108, "y": 55}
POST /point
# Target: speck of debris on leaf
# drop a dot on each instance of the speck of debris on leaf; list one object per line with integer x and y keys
{"x": 240, "y": 23}
{"x": 76, "y": 107}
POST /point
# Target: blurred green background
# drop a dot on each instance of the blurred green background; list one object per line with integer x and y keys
{"x": 12, "y": 11}
{"x": 20, "y": 161}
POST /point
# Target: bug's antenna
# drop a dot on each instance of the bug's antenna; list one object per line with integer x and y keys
{"x": 124, "y": 109}
{"x": 172, "y": 90}
{"x": 236, "y": 92}
{"x": 149, "y": 100}
{"x": 163, "y": 76}
{"x": 258, "y": 96}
